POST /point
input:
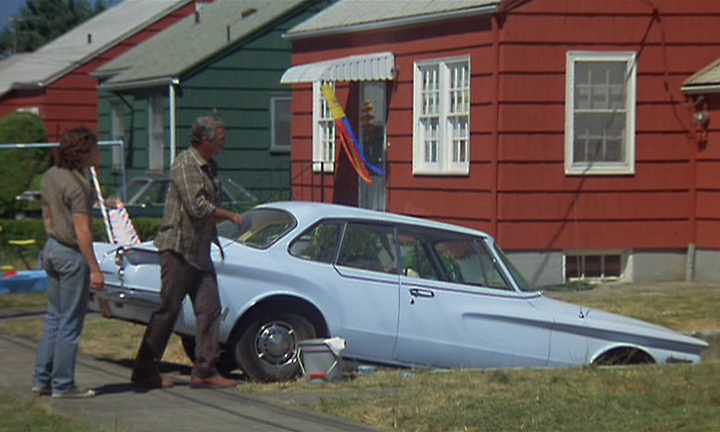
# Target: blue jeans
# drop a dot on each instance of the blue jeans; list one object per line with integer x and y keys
{"x": 68, "y": 288}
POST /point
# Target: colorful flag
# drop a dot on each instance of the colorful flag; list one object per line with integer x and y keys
{"x": 348, "y": 140}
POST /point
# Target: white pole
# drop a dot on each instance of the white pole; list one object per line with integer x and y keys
{"x": 171, "y": 90}
{"x": 103, "y": 210}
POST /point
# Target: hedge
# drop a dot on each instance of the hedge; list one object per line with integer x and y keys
{"x": 33, "y": 229}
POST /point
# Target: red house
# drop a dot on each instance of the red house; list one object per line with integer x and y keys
{"x": 572, "y": 131}
{"x": 55, "y": 82}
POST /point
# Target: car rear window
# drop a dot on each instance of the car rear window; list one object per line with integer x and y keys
{"x": 260, "y": 229}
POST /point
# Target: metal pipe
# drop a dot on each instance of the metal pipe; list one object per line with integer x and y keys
{"x": 171, "y": 89}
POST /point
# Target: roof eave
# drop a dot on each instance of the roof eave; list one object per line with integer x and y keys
{"x": 139, "y": 84}
{"x": 110, "y": 44}
{"x": 701, "y": 88}
{"x": 395, "y": 23}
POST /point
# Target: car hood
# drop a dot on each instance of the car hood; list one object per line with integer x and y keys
{"x": 605, "y": 325}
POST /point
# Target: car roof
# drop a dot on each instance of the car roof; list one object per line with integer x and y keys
{"x": 313, "y": 210}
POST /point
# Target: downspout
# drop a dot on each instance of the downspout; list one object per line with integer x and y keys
{"x": 171, "y": 91}
{"x": 495, "y": 22}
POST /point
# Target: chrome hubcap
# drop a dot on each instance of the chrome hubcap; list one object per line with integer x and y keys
{"x": 275, "y": 343}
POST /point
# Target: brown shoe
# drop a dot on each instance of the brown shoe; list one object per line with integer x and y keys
{"x": 213, "y": 382}
{"x": 154, "y": 382}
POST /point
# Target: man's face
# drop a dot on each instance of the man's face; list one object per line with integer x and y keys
{"x": 218, "y": 143}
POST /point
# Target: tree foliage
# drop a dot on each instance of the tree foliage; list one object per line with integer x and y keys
{"x": 41, "y": 21}
{"x": 19, "y": 167}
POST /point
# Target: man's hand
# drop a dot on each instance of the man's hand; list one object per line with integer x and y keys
{"x": 97, "y": 280}
{"x": 237, "y": 219}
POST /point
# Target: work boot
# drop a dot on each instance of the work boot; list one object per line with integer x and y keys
{"x": 213, "y": 382}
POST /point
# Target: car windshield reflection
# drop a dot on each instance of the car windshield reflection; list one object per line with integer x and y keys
{"x": 260, "y": 228}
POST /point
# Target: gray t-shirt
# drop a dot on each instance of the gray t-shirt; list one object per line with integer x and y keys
{"x": 66, "y": 192}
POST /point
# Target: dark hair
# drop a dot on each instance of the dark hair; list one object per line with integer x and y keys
{"x": 76, "y": 145}
{"x": 205, "y": 127}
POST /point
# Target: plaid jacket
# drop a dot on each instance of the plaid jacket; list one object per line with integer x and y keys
{"x": 188, "y": 226}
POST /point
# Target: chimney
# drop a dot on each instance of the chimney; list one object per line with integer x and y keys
{"x": 89, "y": 38}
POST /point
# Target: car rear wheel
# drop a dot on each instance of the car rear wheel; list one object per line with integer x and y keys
{"x": 267, "y": 349}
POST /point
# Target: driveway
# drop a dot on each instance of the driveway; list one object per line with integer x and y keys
{"x": 118, "y": 407}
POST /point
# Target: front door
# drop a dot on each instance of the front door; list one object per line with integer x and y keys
{"x": 373, "y": 127}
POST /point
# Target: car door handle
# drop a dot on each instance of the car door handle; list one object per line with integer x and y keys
{"x": 421, "y": 293}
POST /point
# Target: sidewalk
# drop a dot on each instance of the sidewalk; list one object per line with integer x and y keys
{"x": 118, "y": 408}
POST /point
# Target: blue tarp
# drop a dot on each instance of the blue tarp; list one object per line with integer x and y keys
{"x": 32, "y": 281}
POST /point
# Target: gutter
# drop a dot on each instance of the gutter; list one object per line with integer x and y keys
{"x": 171, "y": 91}
{"x": 701, "y": 89}
{"x": 394, "y": 23}
{"x": 130, "y": 85}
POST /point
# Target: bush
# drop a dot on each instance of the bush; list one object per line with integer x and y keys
{"x": 19, "y": 167}
{"x": 33, "y": 229}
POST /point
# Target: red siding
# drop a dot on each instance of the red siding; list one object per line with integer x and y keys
{"x": 517, "y": 188}
{"x": 72, "y": 100}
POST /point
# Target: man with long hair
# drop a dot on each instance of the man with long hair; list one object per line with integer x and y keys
{"x": 184, "y": 241}
{"x": 70, "y": 263}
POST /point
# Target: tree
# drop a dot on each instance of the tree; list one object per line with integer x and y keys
{"x": 19, "y": 167}
{"x": 41, "y": 21}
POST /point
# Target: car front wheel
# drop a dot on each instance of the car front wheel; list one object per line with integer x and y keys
{"x": 267, "y": 349}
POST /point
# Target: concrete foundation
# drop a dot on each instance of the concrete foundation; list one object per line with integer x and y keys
{"x": 542, "y": 269}
{"x": 539, "y": 268}
{"x": 707, "y": 266}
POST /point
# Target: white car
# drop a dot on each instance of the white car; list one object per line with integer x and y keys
{"x": 400, "y": 290}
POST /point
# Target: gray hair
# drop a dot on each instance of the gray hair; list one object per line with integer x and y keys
{"x": 205, "y": 127}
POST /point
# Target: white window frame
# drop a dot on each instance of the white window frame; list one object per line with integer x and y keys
{"x": 445, "y": 165}
{"x": 155, "y": 147}
{"x": 627, "y": 166}
{"x": 274, "y": 146}
{"x": 324, "y": 148}
{"x": 117, "y": 132}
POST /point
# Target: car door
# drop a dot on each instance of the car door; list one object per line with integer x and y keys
{"x": 459, "y": 309}
{"x": 368, "y": 290}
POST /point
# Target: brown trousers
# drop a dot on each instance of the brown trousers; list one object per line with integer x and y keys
{"x": 179, "y": 279}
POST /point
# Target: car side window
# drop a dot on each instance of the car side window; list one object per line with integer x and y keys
{"x": 467, "y": 261}
{"x": 369, "y": 247}
{"x": 318, "y": 243}
{"x": 414, "y": 258}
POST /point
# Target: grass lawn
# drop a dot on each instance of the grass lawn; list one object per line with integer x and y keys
{"x": 648, "y": 398}
{"x": 20, "y": 416}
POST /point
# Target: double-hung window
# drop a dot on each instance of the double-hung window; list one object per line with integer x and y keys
{"x": 281, "y": 119}
{"x": 323, "y": 132}
{"x": 600, "y": 113}
{"x": 441, "y": 130}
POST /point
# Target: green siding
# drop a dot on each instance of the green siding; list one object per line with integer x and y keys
{"x": 238, "y": 86}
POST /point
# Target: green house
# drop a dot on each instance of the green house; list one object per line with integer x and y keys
{"x": 227, "y": 60}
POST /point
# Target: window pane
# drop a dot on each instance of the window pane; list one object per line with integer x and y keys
{"x": 318, "y": 243}
{"x": 599, "y": 137}
{"x": 429, "y": 133}
{"x": 593, "y": 266}
{"x": 282, "y": 118}
{"x": 467, "y": 262}
{"x": 414, "y": 258}
{"x": 612, "y": 266}
{"x": 572, "y": 266}
{"x": 600, "y": 85}
{"x": 368, "y": 247}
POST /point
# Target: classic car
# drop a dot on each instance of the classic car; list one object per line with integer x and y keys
{"x": 400, "y": 290}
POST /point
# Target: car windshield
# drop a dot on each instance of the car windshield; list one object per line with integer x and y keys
{"x": 520, "y": 280}
{"x": 260, "y": 228}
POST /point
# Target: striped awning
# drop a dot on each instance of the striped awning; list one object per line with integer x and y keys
{"x": 367, "y": 67}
